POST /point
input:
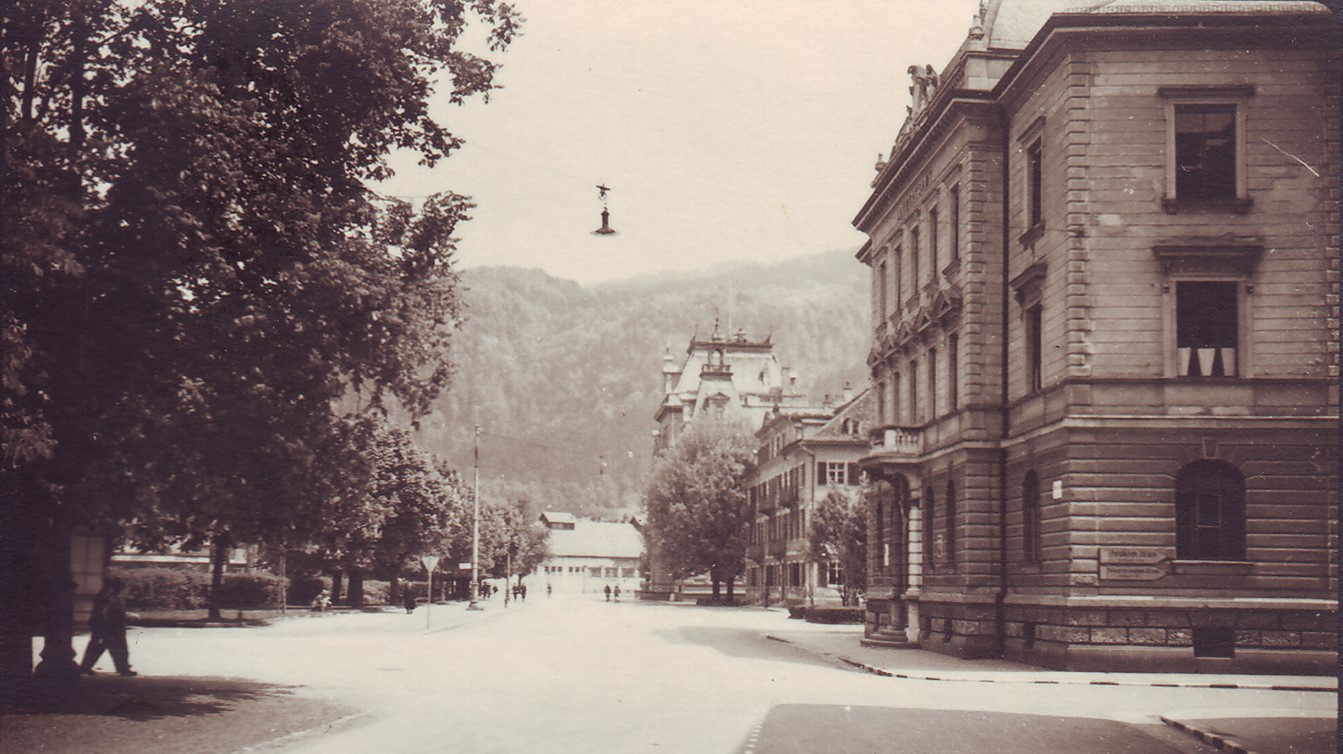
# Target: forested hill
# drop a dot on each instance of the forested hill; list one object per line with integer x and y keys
{"x": 564, "y": 380}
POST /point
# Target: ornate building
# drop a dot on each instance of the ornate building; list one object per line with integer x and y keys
{"x": 804, "y": 454}
{"x": 1104, "y": 259}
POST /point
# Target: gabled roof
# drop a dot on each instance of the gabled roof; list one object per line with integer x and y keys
{"x": 596, "y": 539}
{"x": 558, "y": 517}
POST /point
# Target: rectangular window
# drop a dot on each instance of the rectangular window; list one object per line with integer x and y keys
{"x": 955, "y": 200}
{"x": 833, "y": 473}
{"x": 897, "y": 287}
{"x": 932, "y": 383}
{"x": 1205, "y": 151}
{"x": 1035, "y": 183}
{"x": 1034, "y": 348}
{"x": 914, "y": 412}
{"x": 953, "y": 371}
{"x": 914, "y": 261}
{"x": 932, "y": 243}
{"x": 834, "y": 573}
{"x": 882, "y": 309}
{"x": 1206, "y": 328}
{"x": 881, "y": 401}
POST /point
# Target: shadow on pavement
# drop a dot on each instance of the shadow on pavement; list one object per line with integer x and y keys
{"x": 115, "y": 715}
{"x": 807, "y": 728}
{"x": 747, "y": 644}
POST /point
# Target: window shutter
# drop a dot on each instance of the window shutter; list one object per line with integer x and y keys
{"x": 853, "y": 473}
{"x": 820, "y": 473}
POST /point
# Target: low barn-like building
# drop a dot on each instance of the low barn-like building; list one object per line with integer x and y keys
{"x": 587, "y": 556}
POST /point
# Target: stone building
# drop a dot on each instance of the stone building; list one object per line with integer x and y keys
{"x": 731, "y": 377}
{"x": 1104, "y": 258}
{"x": 804, "y": 453}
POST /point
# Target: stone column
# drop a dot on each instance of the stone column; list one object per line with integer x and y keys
{"x": 915, "y": 571}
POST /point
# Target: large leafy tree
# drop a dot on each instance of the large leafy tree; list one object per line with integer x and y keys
{"x": 195, "y": 269}
{"x": 838, "y": 532}
{"x": 696, "y": 497}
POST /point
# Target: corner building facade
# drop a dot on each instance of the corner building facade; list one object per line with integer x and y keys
{"x": 1105, "y": 286}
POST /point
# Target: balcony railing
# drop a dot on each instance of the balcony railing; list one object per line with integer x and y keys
{"x": 891, "y": 438}
{"x": 716, "y": 370}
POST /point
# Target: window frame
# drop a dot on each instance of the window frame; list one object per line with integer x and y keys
{"x": 1031, "y": 541}
{"x": 1176, "y": 97}
{"x": 1209, "y": 264}
{"x": 1206, "y": 477}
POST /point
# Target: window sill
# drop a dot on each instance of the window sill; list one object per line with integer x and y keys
{"x": 1032, "y": 235}
{"x": 1212, "y": 567}
{"x": 1238, "y": 205}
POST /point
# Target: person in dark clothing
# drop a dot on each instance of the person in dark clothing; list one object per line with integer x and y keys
{"x": 616, "y": 593}
{"x": 522, "y": 590}
{"x": 608, "y": 592}
{"x": 107, "y": 626}
{"x": 409, "y": 601}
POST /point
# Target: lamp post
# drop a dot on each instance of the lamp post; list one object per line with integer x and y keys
{"x": 475, "y": 525}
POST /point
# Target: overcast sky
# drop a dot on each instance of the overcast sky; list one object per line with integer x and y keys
{"x": 728, "y": 130}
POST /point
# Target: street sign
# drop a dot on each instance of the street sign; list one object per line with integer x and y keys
{"x": 430, "y": 562}
{"x": 1131, "y": 572}
{"x": 1133, "y": 555}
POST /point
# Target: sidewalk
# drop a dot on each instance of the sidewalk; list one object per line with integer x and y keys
{"x": 1274, "y": 731}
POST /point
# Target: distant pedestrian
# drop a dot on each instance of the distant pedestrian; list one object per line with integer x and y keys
{"x": 517, "y": 590}
{"x": 522, "y": 590}
{"x": 322, "y": 602}
{"x": 107, "y": 626}
{"x": 548, "y": 588}
{"x": 608, "y": 592}
{"x": 617, "y": 592}
{"x": 409, "y": 601}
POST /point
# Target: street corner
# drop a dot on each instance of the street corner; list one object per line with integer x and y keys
{"x": 1269, "y": 731}
{"x": 117, "y": 715}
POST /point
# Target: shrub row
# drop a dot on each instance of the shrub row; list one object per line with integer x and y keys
{"x": 178, "y": 589}
{"x": 834, "y": 614}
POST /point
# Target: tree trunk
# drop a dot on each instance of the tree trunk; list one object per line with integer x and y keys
{"x": 219, "y": 548}
{"x": 731, "y": 588}
{"x": 716, "y": 592}
{"x": 336, "y": 587}
{"x": 20, "y": 593}
{"x": 394, "y": 589}
{"x": 58, "y": 587}
{"x": 356, "y": 595}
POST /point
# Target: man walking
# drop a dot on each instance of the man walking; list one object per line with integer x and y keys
{"x": 107, "y": 628}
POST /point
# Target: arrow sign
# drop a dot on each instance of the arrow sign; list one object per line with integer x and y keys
{"x": 430, "y": 562}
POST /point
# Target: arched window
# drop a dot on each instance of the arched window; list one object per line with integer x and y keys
{"x": 1209, "y": 512}
{"x": 950, "y": 506}
{"x": 1030, "y": 518}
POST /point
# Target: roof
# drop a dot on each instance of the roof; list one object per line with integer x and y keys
{"x": 558, "y": 517}
{"x": 1011, "y": 24}
{"x": 596, "y": 539}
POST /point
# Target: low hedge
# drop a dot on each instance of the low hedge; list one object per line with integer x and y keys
{"x": 185, "y": 589}
{"x": 834, "y": 614}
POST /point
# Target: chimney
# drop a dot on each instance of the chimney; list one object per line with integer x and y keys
{"x": 848, "y": 391}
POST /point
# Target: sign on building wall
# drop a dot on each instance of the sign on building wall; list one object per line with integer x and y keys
{"x": 1133, "y": 563}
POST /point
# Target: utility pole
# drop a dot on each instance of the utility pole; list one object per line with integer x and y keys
{"x": 475, "y": 527}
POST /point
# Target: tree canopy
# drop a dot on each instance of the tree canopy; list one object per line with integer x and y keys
{"x": 838, "y": 532}
{"x": 195, "y": 269}
{"x": 696, "y": 498}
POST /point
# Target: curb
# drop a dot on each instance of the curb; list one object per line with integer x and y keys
{"x": 1216, "y": 740}
{"x": 1061, "y": 681}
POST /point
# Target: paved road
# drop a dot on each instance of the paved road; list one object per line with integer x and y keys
{"x": 581, "y": 675}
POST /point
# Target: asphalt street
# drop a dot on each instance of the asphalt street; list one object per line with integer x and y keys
{"x": 579, "y": 674}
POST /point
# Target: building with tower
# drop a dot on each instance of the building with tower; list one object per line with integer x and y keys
{"x": 1104, "y": 352}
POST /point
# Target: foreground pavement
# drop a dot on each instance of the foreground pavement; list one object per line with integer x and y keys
{"x": 1307, "y": 729}
{"x": 581, "y": 675}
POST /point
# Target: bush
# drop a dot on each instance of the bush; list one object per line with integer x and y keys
{"x": 163, "y": 588}
{"x": 184, "y": 589}
{"x": 376, "y": 592}
{"x": 303, "y": 590}
{"x": 249, "y": 591}
{"x": 834, "y": 614}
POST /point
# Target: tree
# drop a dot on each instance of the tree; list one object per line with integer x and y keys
{"x": 838, "y": 532}
{"x": 516, "y": 536}
{"x": 195, "y": 269}
{"x": 695, "y": 500}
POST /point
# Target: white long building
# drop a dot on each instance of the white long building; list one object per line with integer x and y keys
{"x": 587, "y": 556}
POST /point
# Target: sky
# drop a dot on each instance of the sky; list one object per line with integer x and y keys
{"x": 728, "y": 131}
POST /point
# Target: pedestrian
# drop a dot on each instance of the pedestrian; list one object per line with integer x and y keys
{"x": 548, "y": 590}
{"x": 108, "y": 627}
{"x": 617, "y": 592}
{"x": 522, "y": 590}
{"x": 608, "y": 592}
{"x": 409, "y": 601}
{"x": 322, "y": 602}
